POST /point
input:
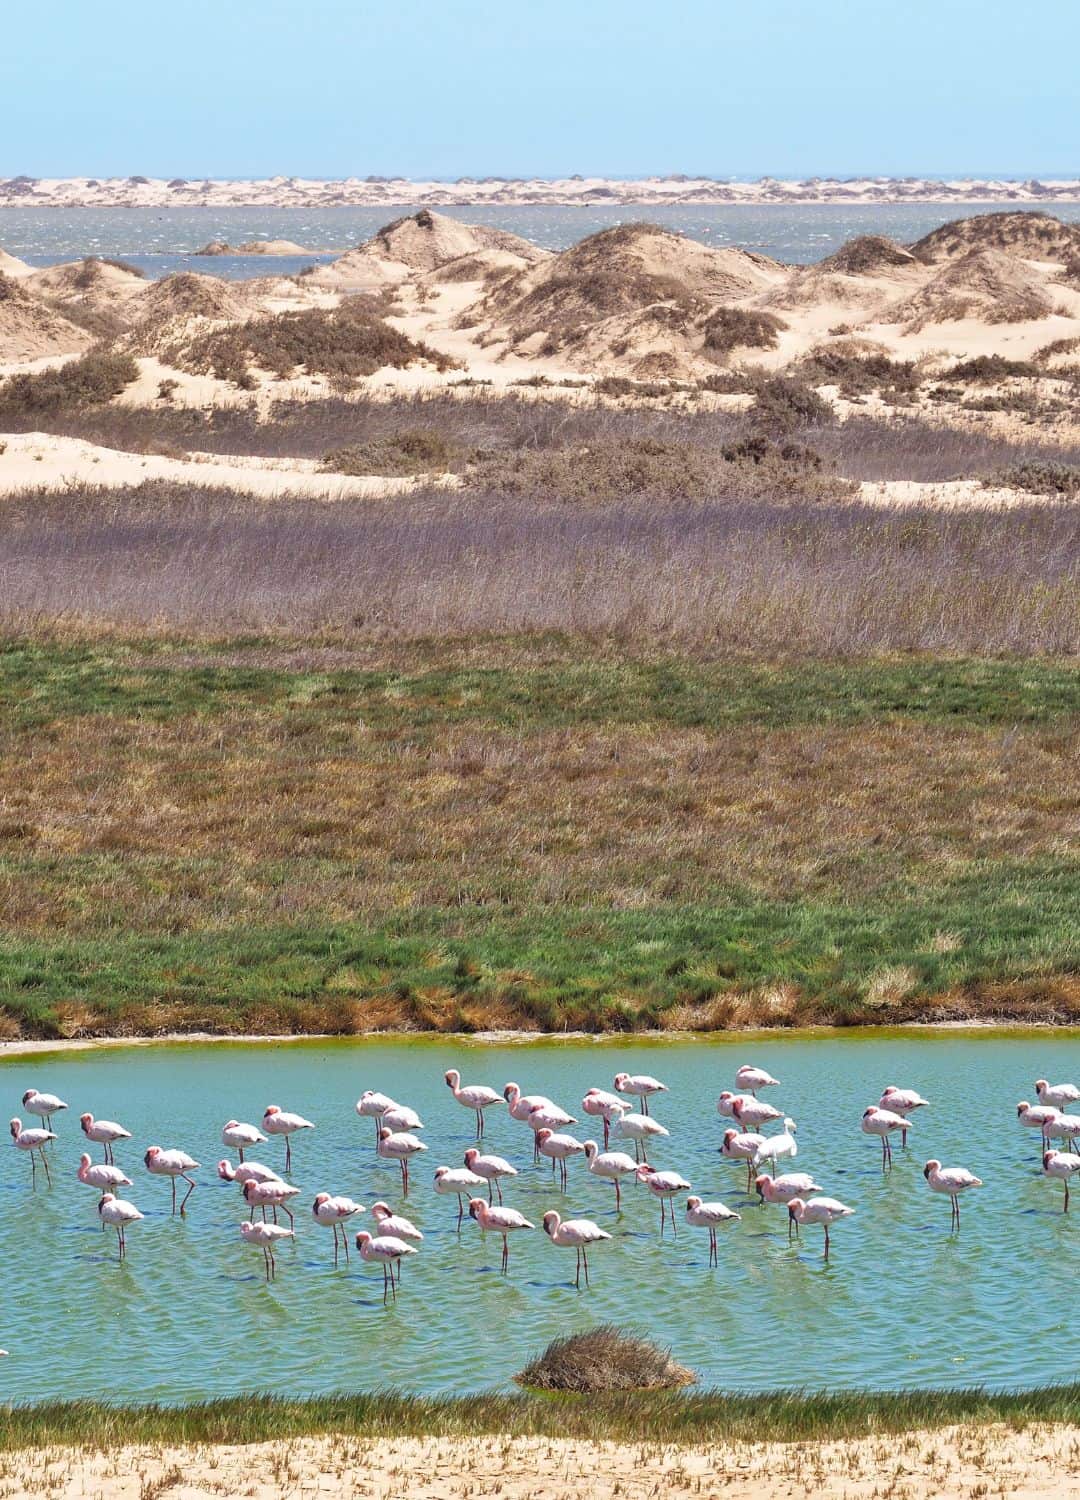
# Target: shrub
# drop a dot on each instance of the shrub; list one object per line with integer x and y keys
{"x": 604, "y": 1359}
{"x": 990, "y": 368}
{"x": 783, "y": 404}
{"x": 1041, "y": 479}
{"x": 418, "y": 450}
{"x": 91, "y": 380}
{"x": 731, "y": 328}
{"x": 857, "y": 374}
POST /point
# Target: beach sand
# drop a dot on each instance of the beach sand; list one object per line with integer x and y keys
{"x": 950, "y": 1462}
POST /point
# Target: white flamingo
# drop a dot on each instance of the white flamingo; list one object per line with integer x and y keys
{"x": 266, "y": 1236}
{"x": 611, "y": 1166}
{"x": 474, "y": 1096}
{"x": 172, "y": 1164}
{"x": 742, "y": 1145}
{"x": 880, "y": 1122}
{"x": 664, "y": 1186}
{"x": 272, "y": 1195}
{"x": 42, "y": 1105}
{"x": 490, "y": 1168}
{"x": 1062, "y": 1165}
{"x": 372, "y": 1105}
{"x": 394, "y": 1224}
{"x": 902, "y": 1102}
{"x": 399, "y": 1146}
{"x": 120, "y": 1214}
{"x": 639, "y": 1129}
{"x": 384, "y": 1250}
{"x": 950, "y": 1180}
{"x": 709, "y": 1216}
{"x": 1060, "y": 1095}
{"x": 823, "y": 1211}
{"x": 240, "y": 1137}
{"x": 779, "y": 1147}
{"x": 101, "y": 1177}
{"x": 557, "y": 1146}
{"x": 574, "y": 1234}
{"x": 333, "y": 1213}
{"x": 458, "y": 1182}
{"x": 639, "y": 1086}
{"x": 499, "y": 1220}
{"x": 104, "y": 1133}
{"x": 749, "y": 1079}
{"x": 33, "y": 1142}
{"x": 278, "y": 1121}
{"x": 604, "y": 1106}
{"x": 247, "y": 1171}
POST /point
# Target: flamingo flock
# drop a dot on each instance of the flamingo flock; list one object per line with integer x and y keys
{"x": 478, "y": 1182}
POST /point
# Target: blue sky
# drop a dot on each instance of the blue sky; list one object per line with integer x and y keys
{"x": 520, "y": 87}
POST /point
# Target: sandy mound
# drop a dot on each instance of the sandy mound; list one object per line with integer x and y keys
{"x": 868, "y": 255}
{"x": 984, "y": 284}
{"x": 177, "y": 307}
{"x": 10, "y": 266}
{"x": 864, "y": 275}
{"x": 418, "y": 244}
{"x": 30, "y": 329}
{"x": 99, "y": 284}
{"x": 634, "y": 298}
{"x": 1028, "y": 235}
{"x": 255, "y": 247}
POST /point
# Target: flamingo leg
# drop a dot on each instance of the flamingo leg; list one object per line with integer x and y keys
{"x": 1065, "y": 1210}
{"x": 479, "y": 1124}
{"x": 288, "y": 1210}
{"x": 498, "y": 1189}
{"x": 618, "y": 1197}
{"x": 274, "y": 1208}
{"x": 123, "y": 1241}
{"x": 460, "y": 1213}
{"x": 187, "y": 1195}
{"x": 577, "y": 1278}
{"x": 713, "y": 1253}
{"x": 505, "y": 1254}
{"x": 490, "y": 1199}
{"x": 241, "y": 1152}
{"x": 903, "y": 1139}
{"x": 345, "y": 1242}
{"x": 335, "y": 1228}
{"x": 404, "y": 1178}
{"x": 674, "y": 1226}
{"x": 662, "y": 1217}
{"x": 33, "y": 1171}
{"x": 607, "y": 1134}
{"x": 273, "y": 1263}
{"x": 173, "y": 1182}
{"x": 644, "y": 1104}
{"x": 585, "y": 1261}
{"x": 288, "y": 1154}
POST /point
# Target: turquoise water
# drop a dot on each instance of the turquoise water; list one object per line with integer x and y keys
{"x": 903, "y": 1302}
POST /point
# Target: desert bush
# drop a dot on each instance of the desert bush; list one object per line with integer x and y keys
{"x": 988, "y": 369}
{"x": 858, "y": 374}
{"x": 123, "y": 265}
{"x": 90, "y": 380}
{"x": 605, "y": 1358}
{"x": 782, "y": 404}
{"x": 414, "y": 451}
{"x": 731, "y": 328}
{"x": 1041, "y": 479}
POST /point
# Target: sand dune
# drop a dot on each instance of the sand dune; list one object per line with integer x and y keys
{"x": 421, "y": 243}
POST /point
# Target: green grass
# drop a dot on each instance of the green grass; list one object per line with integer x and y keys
{"x": 655, "y": 1417}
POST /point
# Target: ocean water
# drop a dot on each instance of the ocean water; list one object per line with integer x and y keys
{"x": 903, "y": 1301}
{"x": 161, "y": 241}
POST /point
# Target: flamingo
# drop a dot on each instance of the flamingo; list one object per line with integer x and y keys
{"x": 557, "y": 1147}
{"x": 172, "y": 1164}
{"x": 879, "y": 1122}
{"x": 708, "y": 1216}
{"x": 748, "y": 1114}
{"x": 384, "y": 1250}
{"x": 400, "y": 1117}
{"x": 101, "y": 1177}
{"x": 1062, "y": 1165}
{"x": 119, "y": 1213}
{"x": 399, "y": 1147}
{"x": 247, "y": 1171}
{"x": 775, "y": 1148}
{"x": 823, "y": 1211}
{"x": 546, "y": 1117}
{"x": 104, "y": 1132}
{"x": 638, "y": 1128}
{"x": 783, "y": 1189}
{"x": 663, "y": 1185}
{"x": 490, "y": 1168}
{"x": 951, "y": 1180}
{"x": 727, "y": 1101}
{"x": 605, "y": 1106}
{"x": 34, "y": 1141}
{"x": 742, "y": 1145}
{"x": 278, "y": 1121}
{"x": 266, "y": 1236}
{"x": 639, "y": 1086}
{"x": 901, "y": 1102}
{"x": 1060, "y": 1095}
{"x": 1037, "y": 1116}
{"x": 273, "y": 1195}
{"x": 42, "y": 1105}
{"x": 459, "y": 1182}
{"x": 475, "y": 1096}
{"x": 1062, "y": 1128}
{"x": 332, "y": 1213}
{"x": 611, "y": 1166}
{"x": 394, "y": 1224}
{"x": 749, "y": 1079}
{"x": 239, "y": 1137}
{"x": 373, "y": 1105}
{"x": 520, "y": 1105}
{"x": 577, "y": 1234}
{"x": 499, "y": 1220}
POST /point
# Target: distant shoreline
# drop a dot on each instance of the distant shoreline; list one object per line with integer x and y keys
{"x": 592, "y": 192}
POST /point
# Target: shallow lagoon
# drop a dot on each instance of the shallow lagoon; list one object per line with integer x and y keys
{"x": 903, "y": 1302}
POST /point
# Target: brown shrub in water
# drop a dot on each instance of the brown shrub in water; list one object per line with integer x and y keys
{"x": 605, "y": 1358}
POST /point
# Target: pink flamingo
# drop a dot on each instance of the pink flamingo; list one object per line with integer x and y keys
{"x": 575, "y": 1234}
{"x": 880, "y": 1122}
{"x": 119, "y": 1213}
{"x": 663, "y": 1185}
{"x": 611, "y": 1166}
{"x": 278, "y": 1121}
{"x": 34, "y": 1142}
{"x": 459, "y": 1182}
{"x": 1062, "y": 1165}
{"x": 499, "y": 1220}
{"x": 709, "y": 1216}
{"x": 332, "y": 1213}
{"x": 384, "y": 1250}
{"x": 266, "y": 1236}
{"x": 272, "y": 1195}
{"x": 823, "y": 1211}
{"x": 639, "y": 1086}
{"x": 399, "y": 1147}
{"x": 395, "y": 1225}
{"x": 239, "y": 1137}
{"x": 474, "y": 1096}
{"x": 104, "y": 1132}
{"x": 172, "y": 1164}
{"x": 604, "y": 1106}
{"x": 953, "y": 1181}
{"x": 557, "y": 1147}
{"x": 490, "y": 1168}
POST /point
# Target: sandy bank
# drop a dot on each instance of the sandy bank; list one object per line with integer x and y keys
{"x": 951, "y": 1462}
